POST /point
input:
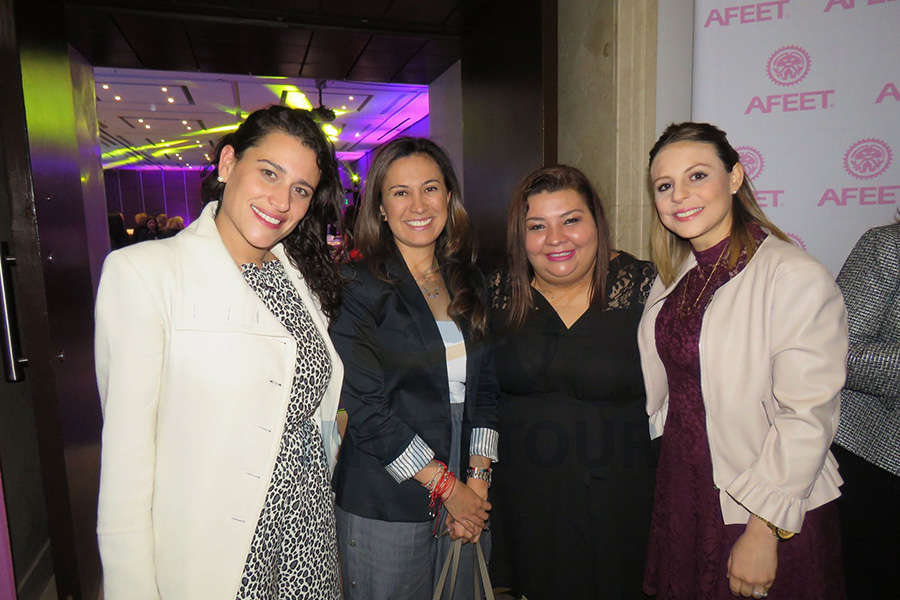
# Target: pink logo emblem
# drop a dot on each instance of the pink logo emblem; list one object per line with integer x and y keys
{"x": 751, "y": 160}
{"x": 797, "y": 240}
{"x": 788, "y": 65}
{"x": 867, "y": 158}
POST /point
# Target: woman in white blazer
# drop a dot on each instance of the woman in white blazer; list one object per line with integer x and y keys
{"x": 219, "y": 383}
{"x": 743, "y": 344}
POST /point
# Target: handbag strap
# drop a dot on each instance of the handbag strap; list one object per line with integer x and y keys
{"x": 452, "y": 557}
{"x": 485, "y": 578}
{"x": 480, "y": 573}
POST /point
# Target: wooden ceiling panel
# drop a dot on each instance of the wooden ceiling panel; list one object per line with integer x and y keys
{"x": 443, "y": 47}
{"x": 434, "y": 12}
{"x": 249, "y": 38}
{"x": 157, "y": 43}
{"x": 372, "y": 74}
{"x": 403, "y": 46}
{"x": 373, "y": 40}
{"x": 359, "y": 9}
{"x": 100, "y": 41}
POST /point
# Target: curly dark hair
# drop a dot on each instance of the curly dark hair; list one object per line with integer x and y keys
{"x": 306, "y": 245}
{"x": 455, "y": 246}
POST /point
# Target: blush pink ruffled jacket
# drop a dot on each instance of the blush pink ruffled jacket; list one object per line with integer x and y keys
{"x": 773, "y": 351}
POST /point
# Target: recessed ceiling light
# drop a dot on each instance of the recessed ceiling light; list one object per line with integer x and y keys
{"x": 117, "y": 98}
{"x": 105, "y": 86}
{"x": 170, "y": 100}
{"x": 198, "y": 141}
{"x": 165, "y": 89}
{"x": 189, "y": 128}
{"x": 162, "y": 141}
{"x": 357, "y": 134}
{"x": 343, "y": 107}
{"x": 147, "y": 126}
{"x": 350, "y": 98}
{"x": 184, "y": 122}
{"x": 140, "y": 120}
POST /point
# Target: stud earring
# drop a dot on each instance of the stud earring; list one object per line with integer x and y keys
{"x": 220, "y": 179}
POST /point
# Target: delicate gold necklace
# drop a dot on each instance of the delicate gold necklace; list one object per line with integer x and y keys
{"x": 434, "y": 289}
{"x": 681, "y": 309}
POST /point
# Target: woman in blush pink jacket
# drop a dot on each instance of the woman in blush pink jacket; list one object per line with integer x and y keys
{"x": 743, "y": 346}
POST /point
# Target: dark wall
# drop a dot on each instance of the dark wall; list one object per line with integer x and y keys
{"x": 509, "y": 109}
{"x": 70, "y": 206}
{"x": 175, "y": 192}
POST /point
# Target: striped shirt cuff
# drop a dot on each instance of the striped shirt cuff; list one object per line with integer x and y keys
{"x": 411, "y": 461}
{"x": 484, "y": 443}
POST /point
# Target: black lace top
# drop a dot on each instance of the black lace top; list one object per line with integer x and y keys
{"x": 595, "y": 359}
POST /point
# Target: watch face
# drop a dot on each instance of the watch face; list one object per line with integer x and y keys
{"x": 784, "y": 534}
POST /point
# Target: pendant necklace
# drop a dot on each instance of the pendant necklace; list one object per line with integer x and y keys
{"x": 432, "y": 290}
{"x": 681, "y": 308}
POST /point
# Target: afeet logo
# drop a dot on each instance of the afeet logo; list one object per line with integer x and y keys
{"x": 797, "y": 240}
{"x": 788, "y": 65}
{"x": 752, "y": 161}
{"x": 867, "y": 158}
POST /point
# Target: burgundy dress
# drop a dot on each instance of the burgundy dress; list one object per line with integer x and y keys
{"x": 689, "y": 544}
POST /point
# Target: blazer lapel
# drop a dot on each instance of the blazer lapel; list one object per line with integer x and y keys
{"x": 412, "y": 297}
{"x": 218, "y": 297}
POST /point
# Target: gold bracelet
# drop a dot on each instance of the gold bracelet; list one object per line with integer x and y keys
{"x": 778, "y": 532}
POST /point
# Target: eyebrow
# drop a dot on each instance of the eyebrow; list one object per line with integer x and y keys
{"x": 563, "y": 215}
{"x": 275, "y": 166}
{"x": 406, "y": 185}
{"x": 281, "y": 170}
{"x": 693, "y": 166}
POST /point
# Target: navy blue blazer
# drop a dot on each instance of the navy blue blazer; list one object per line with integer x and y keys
{"x": 395, "y": 386}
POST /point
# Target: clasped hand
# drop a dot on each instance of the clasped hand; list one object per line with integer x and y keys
{"x": 468, "y": 510}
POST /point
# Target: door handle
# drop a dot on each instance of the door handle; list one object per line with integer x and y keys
{"x": 12, "y": 359}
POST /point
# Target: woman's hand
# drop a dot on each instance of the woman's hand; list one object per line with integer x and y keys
{"x": 468, "y": 510}
{"x": 456, "y": 529}
{"x": 753, "y": 561}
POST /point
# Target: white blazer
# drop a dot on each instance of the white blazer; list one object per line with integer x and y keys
{"x": 194, "y": 375}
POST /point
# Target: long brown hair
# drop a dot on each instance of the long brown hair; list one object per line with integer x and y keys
{"x": 454, "y": 249}
{"x": 306, "y": 245}
{"x": 667, "y": 249}
{"x": 550, "y": 179}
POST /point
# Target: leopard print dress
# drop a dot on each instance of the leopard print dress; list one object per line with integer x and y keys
{"x": 294, "y": 549}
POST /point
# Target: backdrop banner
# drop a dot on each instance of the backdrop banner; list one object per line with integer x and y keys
{"x": 809, "y": 93}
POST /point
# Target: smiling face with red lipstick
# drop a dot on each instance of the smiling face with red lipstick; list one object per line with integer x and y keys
{"x": 693, "y": 190}
{"x": 268, "y": 190}
{"x": 560, "y": 238}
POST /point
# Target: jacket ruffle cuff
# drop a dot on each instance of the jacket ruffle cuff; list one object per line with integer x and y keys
{"x": 768, "y": 502}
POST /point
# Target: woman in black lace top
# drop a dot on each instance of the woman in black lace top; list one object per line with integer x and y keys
{"x": 573, "y": 491}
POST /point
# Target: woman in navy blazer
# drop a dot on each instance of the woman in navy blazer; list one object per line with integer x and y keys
{"x": 419, "y": 385}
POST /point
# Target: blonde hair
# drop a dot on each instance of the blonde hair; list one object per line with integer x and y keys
{"x": 668, "y": 250}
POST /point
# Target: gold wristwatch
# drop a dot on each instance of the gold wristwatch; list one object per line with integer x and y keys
{"x": 778, "y": 532}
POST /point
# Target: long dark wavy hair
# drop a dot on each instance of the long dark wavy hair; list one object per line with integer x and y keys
{"x": 667, "y": 249}
{"x": 550, "y": 179}
{"x": 455, "y": 246}
{"x": 306, "y": 245}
